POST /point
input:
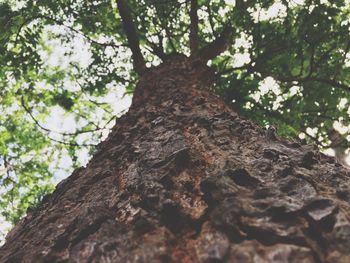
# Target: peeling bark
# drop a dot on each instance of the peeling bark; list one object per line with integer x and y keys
{"x": 182, "y": 178}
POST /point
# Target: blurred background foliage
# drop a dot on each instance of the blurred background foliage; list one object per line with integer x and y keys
{"x": 66, "y": 74}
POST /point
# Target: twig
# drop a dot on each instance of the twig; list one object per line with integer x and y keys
{"x": 52, "y": 131}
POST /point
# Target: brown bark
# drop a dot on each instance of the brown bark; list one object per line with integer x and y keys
{"x": 182, "y": 178}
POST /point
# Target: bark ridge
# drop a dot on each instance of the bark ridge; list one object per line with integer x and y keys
{"x": 182, "y": 178}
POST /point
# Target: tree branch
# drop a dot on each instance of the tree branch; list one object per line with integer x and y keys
{"x": 219, "y": 45}
{"x": 157, "y": 50}
{"x": 194, "y": 27}
{"x": 211, "y": 20}
{"x": 133, "y": 40}
{"x": 347, "y": 48}
{"x": 316, "y": 79}
{"x": 61, "y": 23}
{"x": 312, "y": 60}
{"x": 48, "y": 131}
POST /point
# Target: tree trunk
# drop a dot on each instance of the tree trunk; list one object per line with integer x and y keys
{"x": 182, "y": 178}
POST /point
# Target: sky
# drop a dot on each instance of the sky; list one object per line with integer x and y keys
{"x": 59, "y": 120}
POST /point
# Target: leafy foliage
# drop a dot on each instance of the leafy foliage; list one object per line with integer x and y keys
{"x": 288, "y": 65}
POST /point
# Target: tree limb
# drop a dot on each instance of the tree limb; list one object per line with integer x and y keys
{"x": 194, "y": 27}
{"x": 330, "y": 82}
{"x": 48, "y": 131}
{"x": 312, "y": 60}
{"x": 211, "y": 20}
{"x": 61, "y": 23}
{"x": 157, "y": 50}
{"x": 133, "y": 40}
{"x": 219, "y": 45}
{"x": 347, "y": 48}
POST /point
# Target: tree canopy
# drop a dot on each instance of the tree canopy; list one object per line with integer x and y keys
{"x": 287, "y": 64}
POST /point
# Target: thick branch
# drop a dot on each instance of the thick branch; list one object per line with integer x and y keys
{"x": 133, "y": 40}
{"x": 219, "y": 45}
{"x": 194, "y": 27}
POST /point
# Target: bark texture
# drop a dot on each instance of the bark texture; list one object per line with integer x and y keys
{"x": 182, "y": 178}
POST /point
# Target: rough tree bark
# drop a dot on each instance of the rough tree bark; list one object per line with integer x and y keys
{"x": 182, "y": 178}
